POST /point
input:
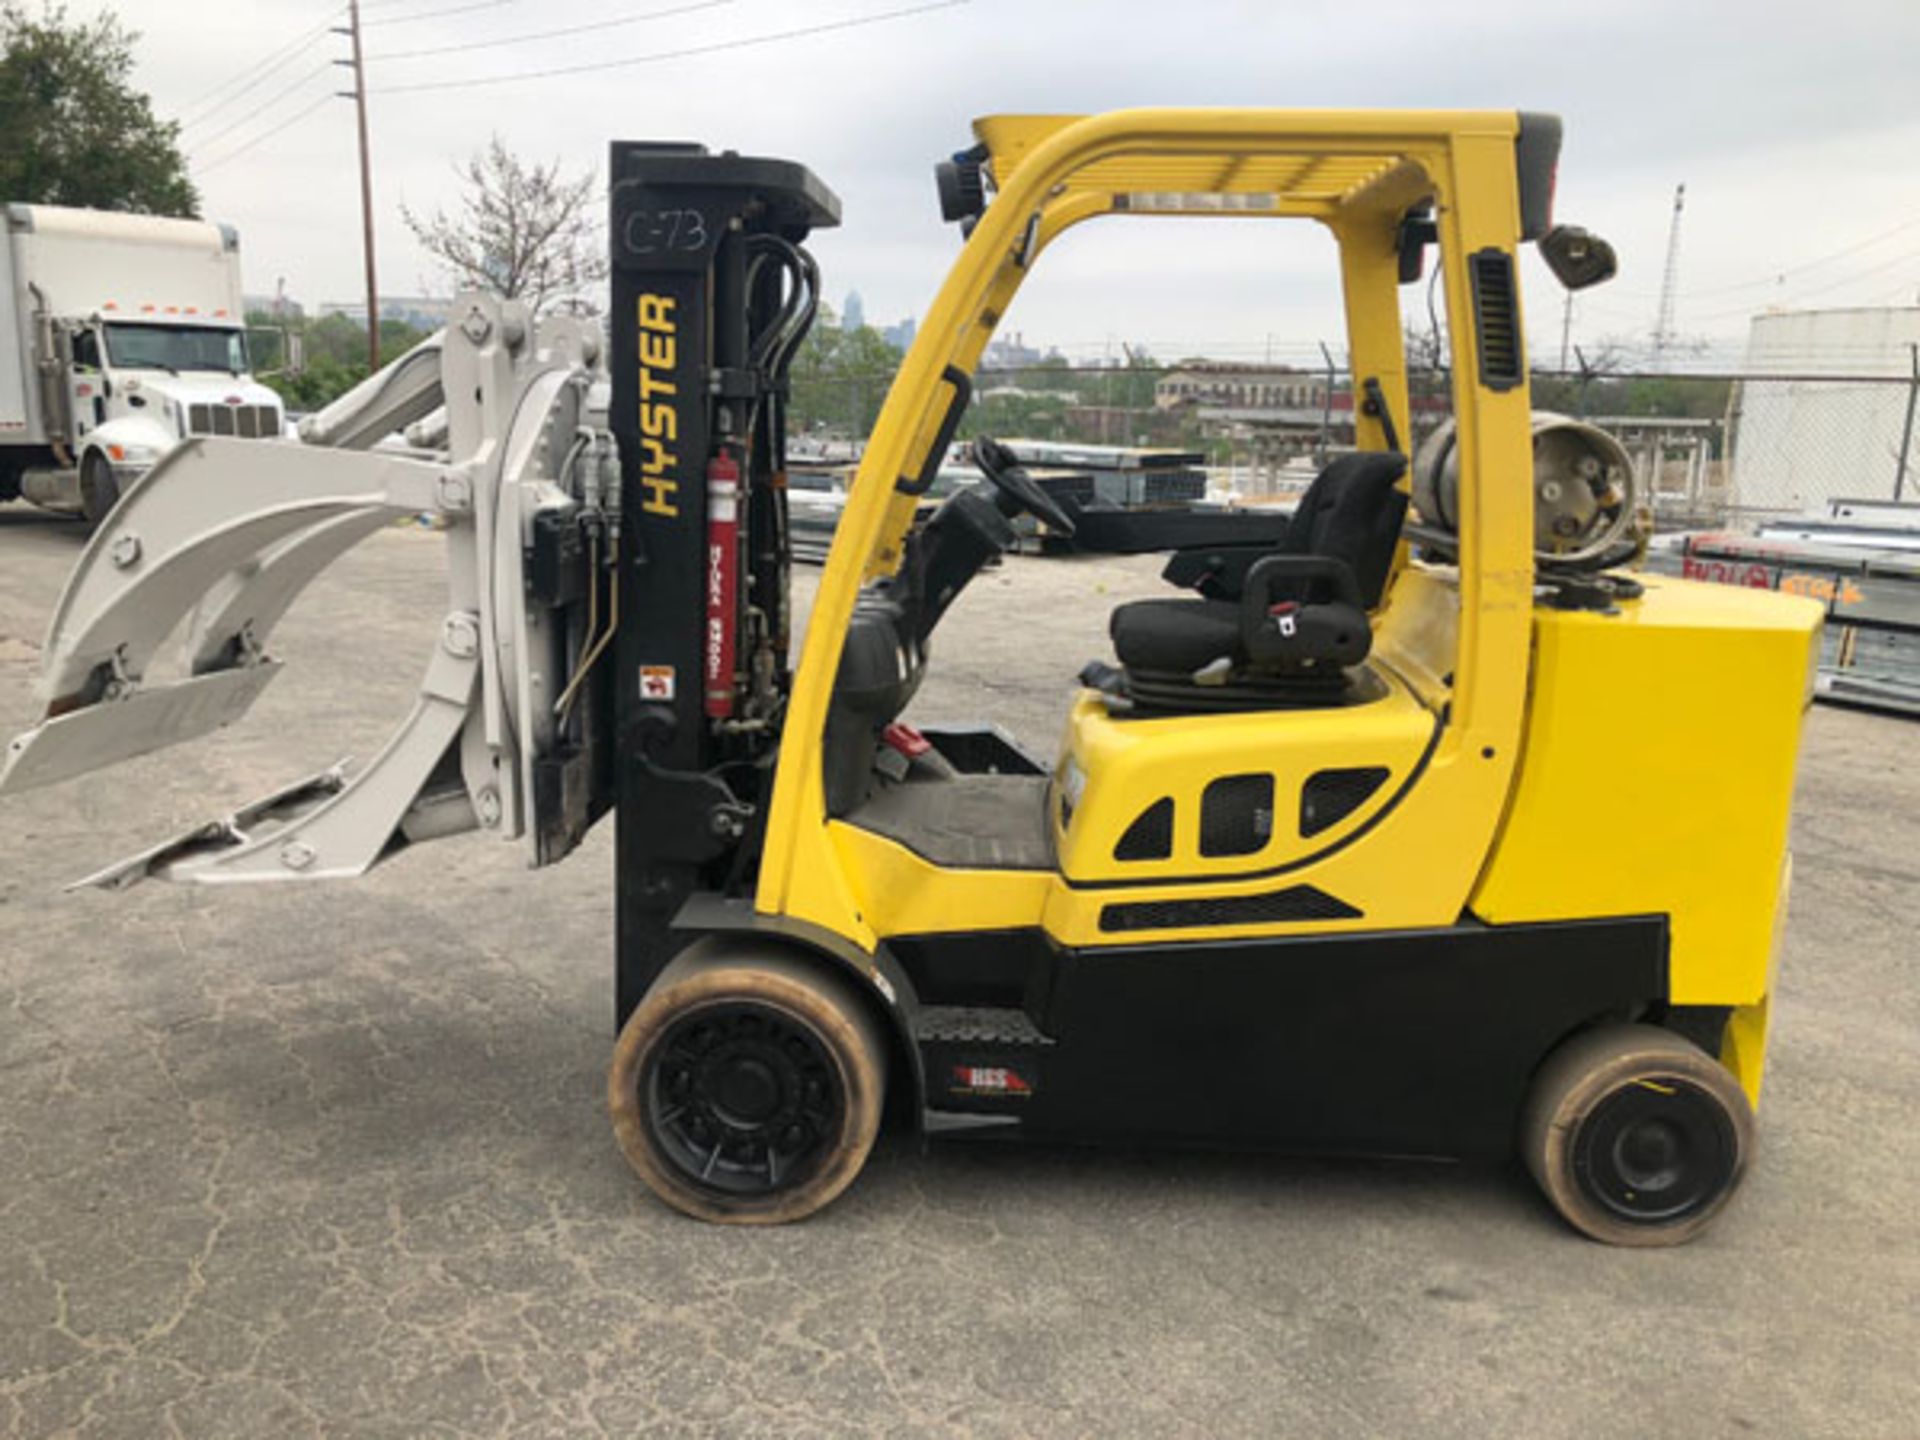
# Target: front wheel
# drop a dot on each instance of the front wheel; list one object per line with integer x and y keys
{"x": 99, "y": 490}
{"x": 746, "y": 1087}
{"x": 1637, "y": 1136}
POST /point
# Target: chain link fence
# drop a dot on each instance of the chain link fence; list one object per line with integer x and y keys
{"x": 1710, "y": 449}
{"x": 1800, "y": 443}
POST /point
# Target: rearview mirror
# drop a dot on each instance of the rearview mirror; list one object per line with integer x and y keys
{"x": 1578, "y": 258}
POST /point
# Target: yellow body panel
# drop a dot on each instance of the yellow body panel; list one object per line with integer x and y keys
{"x": 1118, "y": 767}
{"x": 899, "y": 893}
{"x": 1657, "y": 776}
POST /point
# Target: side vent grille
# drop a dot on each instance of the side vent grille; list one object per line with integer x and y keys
{"x": 1329, "y": 796}
{"x": 1150, "y": 836}
{"x": 1296, "y": 902}
{"x": 1236, "y": 815}
{"x": 1496, "y": 316}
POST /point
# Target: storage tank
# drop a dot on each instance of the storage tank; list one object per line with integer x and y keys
{"x": 1799, "y": 443}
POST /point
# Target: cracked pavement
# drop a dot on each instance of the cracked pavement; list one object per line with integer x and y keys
{"x": 332, "y": 1159}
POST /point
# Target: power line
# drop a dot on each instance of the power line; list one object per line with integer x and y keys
{"x": 681, "y": 54}
{"x": 436, "y": 14}
{"x": 1825, "y": 288}
{"x": 253, "y": 73}
{"x": 272, "y": 100}
{"x": 1774, "y": 277}
{"x": 438, "y": 50}
{"x": 265, "y": 136}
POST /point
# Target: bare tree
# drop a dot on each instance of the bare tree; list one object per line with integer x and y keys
{"x": 524, "y": 231}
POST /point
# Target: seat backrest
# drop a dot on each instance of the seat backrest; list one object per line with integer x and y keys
{"x": 1353, "y": 512}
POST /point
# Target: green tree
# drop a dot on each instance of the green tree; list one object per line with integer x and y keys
{"x": 1661, "y": 395}
{"x": 334, "y": 352}
{"x": 73, "y": 130}
{"x": 1025, "y": 415}
{"x": 840, "y": 378}
{"x": 1052, "y": 373}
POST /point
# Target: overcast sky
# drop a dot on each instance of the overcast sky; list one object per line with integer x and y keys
{"x": 1795, "y": 127}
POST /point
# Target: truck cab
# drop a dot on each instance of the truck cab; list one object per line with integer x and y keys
{"x": 127, "y": 336}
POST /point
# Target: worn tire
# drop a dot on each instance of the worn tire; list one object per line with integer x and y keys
{"x": 1637, "y": 1136}
{"x": 806, "y": 1009}
{"x": 99, "y": 490}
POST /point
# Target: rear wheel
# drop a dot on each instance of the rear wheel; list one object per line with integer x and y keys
{"x": 746, "y": 1087}
{"x": 99, "y": 490}
{"x": 1637, "y": 1136}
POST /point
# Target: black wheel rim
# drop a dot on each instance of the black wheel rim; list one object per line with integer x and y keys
{"x": 743, "y": 1098}
{"x": 1658, "y": 1149}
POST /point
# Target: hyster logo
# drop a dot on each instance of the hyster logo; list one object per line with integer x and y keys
{"x": 659, "y": 421}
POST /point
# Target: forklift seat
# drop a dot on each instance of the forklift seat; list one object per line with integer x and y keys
{"x": 1272, "y": 621}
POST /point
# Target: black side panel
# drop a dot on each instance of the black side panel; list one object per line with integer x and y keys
{"x": 1406, "y": 1042}
{"x": 981, "y": 967}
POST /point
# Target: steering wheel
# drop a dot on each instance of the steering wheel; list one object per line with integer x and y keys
{"x": 1017, "y": 488}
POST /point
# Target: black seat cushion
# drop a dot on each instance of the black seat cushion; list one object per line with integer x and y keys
{"x": 1173, "y": 634}
{"x": 1353, "y": 513}
{"x": 1179, "y": 637}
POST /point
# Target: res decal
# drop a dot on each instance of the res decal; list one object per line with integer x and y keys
{"x": 989, "y": 1080}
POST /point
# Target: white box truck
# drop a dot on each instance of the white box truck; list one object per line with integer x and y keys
{"x": 119, "y": 335}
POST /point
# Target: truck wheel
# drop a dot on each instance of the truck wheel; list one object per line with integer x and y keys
{"x": 1637, "y": 1136}
{"x": 746, "y": 1087}
{"x": 99, "y": 491}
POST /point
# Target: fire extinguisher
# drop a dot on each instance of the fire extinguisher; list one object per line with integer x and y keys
{"x": 723, "y": 581}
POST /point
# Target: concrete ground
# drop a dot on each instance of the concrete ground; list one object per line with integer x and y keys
{"x": 332, "y": 1159}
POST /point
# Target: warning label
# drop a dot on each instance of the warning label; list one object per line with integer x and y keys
{"x": 656, "y": 682}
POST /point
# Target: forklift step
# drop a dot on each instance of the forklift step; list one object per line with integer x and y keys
{"x": 977, "y": 1025}
{"x": 983, "y": 1065}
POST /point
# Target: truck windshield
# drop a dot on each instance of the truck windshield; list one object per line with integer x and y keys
{"x": 176, "y": 348}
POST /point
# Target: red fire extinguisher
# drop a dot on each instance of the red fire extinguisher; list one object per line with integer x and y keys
{"x": 723, "y": 581}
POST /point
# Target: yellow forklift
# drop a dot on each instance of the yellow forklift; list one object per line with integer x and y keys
{"x": 1412, "y": 825}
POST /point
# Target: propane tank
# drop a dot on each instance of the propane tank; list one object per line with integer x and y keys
{"x": 1584, "y": 491}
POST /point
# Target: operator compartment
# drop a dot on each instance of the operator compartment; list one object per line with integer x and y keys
{"x": 1264, "y": 659}
{"x": 1265, "y": 717}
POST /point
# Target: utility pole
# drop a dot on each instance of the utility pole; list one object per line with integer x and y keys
{"x": 359, "y": 97}
{"x": 1906, "y": 431}
{"x": 1566, "y": 329}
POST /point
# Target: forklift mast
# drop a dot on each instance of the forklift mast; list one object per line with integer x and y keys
{"x": 712, "y": 296}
